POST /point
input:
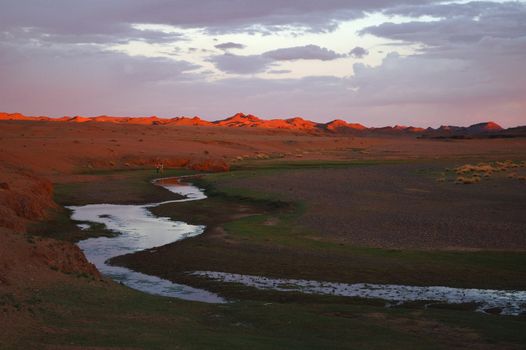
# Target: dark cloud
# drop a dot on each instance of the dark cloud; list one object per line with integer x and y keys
{"x": 455, "y": 10}
{"x": 252, "y": 64}
{"x": 105, "y": 17}
{"x": 229, "y": 45}
{"x": 456, "y": 23}
{"x": 121, "y": 34}
{"x": 358, "y": 52}
{"x": 308, "y": 52}
{"x": 236, "y": 64}
{"x": 279, "y": 71}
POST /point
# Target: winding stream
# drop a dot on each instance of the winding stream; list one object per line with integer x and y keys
{"x": 139, "y": 230}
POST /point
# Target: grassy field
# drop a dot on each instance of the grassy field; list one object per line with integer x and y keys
{"x": 98, "y": 315}
{"x": 259, "y": 233}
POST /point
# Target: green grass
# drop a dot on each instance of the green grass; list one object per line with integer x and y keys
{"x": 310, "y": 164}
{"x": 59, "y": 225}
{"x": 117, "y": 187}
{"x": 147, "y": 172}
{"x": 481, "y": 269}
{"x": 113, "y": 316}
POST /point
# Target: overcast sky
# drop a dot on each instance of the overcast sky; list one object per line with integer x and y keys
{"x": 377, "y": 62}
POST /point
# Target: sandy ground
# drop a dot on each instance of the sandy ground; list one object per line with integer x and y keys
{"x": 56, "y": 149}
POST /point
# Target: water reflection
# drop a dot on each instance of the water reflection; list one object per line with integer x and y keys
{"x": 139, "y": 230}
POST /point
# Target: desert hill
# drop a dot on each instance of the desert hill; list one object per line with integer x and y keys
{"x": 241, "y": 120}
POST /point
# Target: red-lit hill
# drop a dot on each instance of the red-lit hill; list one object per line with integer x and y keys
{"x": 339, "y": 125}
{"x": 186, "y": 121}
{"x": 480, "y": 130}
{"x": 240, "y": 120}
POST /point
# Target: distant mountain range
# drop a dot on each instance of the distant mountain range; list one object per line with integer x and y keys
{"x": 240, "y": 120}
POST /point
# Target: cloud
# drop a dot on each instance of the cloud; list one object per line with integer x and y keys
{"x": 103, "y": 17}
{"x": 466, "y": 10}
{"x": 120, "y": 34}
{"x": 456, "y": 23}
{"x": 236, "y": 64}
{"x": 68, "y": 81}
{"x": 308, "y": 52}
{"x": 440, "y": 89}
{"x": 252, "y": 64}
{"x": 229, "y": 45}
{"x": 279, "y": 71}
{"x": 358, "y": 52}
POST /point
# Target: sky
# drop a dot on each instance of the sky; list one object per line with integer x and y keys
{"x": 376, "y": 62}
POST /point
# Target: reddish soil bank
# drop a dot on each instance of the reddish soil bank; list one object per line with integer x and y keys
{"x": 28, "y": 264}
{"x": 23, "y": 198}
{"x": 26, "y": 260}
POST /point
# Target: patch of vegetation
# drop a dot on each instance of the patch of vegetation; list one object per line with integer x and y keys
{"x": 114, "y": 316}
{"x": 479, "y": 269}
{"x": 59, "y": 225}
{"x": 311, "y": 164}
{"x": 117, "y": 187}
{"x": 474, "y": 173}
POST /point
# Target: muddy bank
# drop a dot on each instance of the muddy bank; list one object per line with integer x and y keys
{"x": 25, "y": 259}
